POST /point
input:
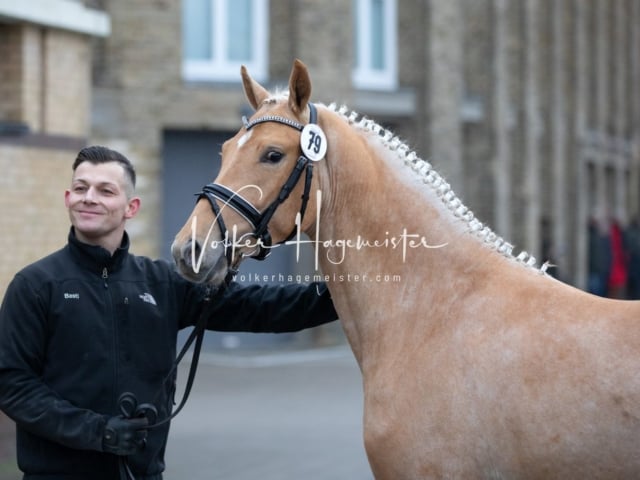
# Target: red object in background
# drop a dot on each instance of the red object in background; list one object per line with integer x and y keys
{"x": 618, "y": 275}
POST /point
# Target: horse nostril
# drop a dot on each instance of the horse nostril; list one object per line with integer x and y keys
{"x": 191, "y": 253}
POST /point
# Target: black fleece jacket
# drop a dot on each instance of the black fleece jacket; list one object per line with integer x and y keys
{"x": 80, "y": 327}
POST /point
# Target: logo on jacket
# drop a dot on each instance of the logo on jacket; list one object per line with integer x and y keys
{"x": 148, "y": 298}
{"x": 72, "y": 296}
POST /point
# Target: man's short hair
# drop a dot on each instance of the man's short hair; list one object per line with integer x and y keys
{"x": 96, "y": 154}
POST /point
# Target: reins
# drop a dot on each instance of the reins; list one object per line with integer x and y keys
{"x": 128, "y": 403}
{"x": 260, "y": 221}
{"x": 197, "y": 336}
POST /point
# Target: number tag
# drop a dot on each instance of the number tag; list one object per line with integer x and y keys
{"x": 313, "y": 142}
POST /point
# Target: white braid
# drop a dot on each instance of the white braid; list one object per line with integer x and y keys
{"x": 434, "y": 180}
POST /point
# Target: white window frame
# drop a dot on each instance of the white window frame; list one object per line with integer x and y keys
{"x": 363, "y": 75}
{"x": 220, "y": 68}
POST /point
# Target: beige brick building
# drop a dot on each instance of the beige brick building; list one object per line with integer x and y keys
{"x": 45, "y": 99}
{"x": 529, "y": 107}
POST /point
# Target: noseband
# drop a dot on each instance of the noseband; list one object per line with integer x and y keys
{"x": 259, "y": 221}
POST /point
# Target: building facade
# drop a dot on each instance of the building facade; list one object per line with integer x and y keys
{"x": 529, "y": 108}
{"x": 45, "y": 101}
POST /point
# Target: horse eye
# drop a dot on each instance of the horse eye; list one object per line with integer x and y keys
{"x": 272, "y": 156}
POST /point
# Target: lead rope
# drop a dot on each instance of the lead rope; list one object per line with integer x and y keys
{"x": 124, "y": 470}
{"x": 197, "y": 335}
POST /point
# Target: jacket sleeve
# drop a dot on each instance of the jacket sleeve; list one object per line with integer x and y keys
{"x": 24, "y": 396}
{"x": 270, "y": 308}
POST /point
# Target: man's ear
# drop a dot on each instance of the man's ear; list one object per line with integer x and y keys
{"x": 132, "y": 208}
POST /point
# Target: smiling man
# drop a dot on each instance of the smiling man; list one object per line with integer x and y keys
{"x": 86, "y": 324}
{"x": 101, "y": 199}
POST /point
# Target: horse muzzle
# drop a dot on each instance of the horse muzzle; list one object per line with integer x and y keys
{"x": 201, "y": 263}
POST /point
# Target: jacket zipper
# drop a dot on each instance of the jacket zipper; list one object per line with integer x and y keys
{"x": 111, "y": 317}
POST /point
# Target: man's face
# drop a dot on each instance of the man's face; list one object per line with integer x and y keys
{"x": 98, "y": 203}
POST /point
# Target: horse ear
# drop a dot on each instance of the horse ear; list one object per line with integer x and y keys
{"x": 299, "y": 87}
{"x": 254, "y": 92}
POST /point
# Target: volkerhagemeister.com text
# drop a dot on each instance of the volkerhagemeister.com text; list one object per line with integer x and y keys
{"x": 316, "y": 277}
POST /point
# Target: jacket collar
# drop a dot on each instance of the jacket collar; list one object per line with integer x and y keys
{"x": 95, "y": 257}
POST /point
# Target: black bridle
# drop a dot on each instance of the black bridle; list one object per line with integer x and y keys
{"x": 259, "y": 221}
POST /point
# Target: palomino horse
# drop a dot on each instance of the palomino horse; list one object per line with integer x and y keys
{"x": 476, "y": 364}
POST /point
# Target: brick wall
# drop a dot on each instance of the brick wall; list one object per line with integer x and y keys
{"x": 34, "y": 221}
{"x": 67, "y": 83}
{"x": 31, "y": 77}
{"x": 45, "y": 79}
{"x": 33, "y": 224}
{"x": 45, "y": 84}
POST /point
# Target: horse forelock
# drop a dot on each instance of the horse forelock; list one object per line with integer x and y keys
{"x": 424, "y": 172}
{"x": 279, "y": 95}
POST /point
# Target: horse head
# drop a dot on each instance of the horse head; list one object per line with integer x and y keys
{"x": 261, "y": 195}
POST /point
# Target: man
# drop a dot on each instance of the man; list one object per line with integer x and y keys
{"x": 91, "y": 321}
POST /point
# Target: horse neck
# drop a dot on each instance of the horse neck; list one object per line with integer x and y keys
{"x": 394, "y": 223}
{"x": 369, "y": 196}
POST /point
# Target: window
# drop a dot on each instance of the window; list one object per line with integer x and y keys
{"x": 375, "y": 44}
{"x": 220, "y": 35}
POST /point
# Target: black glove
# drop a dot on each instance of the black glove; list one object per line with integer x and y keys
{"x": 124, "y": 436}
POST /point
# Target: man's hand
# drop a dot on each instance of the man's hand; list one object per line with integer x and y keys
{"x": 124, "y": 436}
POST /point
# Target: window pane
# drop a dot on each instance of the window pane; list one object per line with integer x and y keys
{"x": 377, "y": 35}
{"x": 240, "y": 30}
{"x": 375, "y": 44}
{"x": 196, "y": 29}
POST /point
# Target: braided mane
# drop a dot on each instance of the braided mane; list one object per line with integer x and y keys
{"x": 436, "y": 182}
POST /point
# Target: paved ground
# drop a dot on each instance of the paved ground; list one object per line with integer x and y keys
{"x": 8, "y": 470}
{"x": 271, "y": 416}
